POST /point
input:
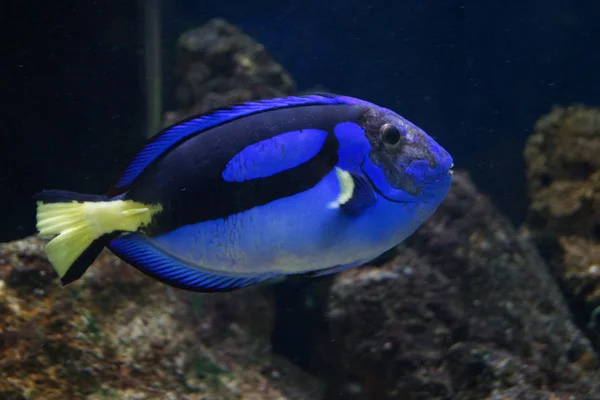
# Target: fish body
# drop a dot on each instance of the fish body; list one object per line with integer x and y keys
{"x": 299, "y": 185}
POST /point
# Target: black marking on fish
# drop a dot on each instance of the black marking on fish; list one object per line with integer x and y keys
{"x": 188, "y": 183}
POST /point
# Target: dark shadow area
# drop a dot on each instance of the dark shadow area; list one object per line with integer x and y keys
{"x": 72, "y": 109}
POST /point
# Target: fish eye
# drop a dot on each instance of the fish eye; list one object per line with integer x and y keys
{"x": 390, "y": 135}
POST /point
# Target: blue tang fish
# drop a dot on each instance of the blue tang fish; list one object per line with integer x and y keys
{"x": 306, "y": 185}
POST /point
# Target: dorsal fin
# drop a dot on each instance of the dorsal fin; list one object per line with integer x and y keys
{"x": 174, "y": 134}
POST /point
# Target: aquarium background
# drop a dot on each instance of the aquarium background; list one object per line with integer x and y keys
{"x": 474, "y": 309}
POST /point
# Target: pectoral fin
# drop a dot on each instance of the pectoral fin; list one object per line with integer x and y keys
{"x": 356, "y": 194}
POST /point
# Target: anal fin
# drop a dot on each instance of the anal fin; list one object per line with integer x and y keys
{"x": 140, "y": 252}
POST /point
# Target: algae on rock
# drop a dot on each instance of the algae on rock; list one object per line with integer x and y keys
{"x": 118, "y": 333}
{"x": 563, "y": 171}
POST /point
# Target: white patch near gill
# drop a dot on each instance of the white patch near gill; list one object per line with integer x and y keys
{"x": 346, "y": 188}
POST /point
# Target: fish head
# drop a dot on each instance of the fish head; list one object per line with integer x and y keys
{"x": 404, "y": 161}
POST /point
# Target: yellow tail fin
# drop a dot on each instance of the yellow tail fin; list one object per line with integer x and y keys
{"x": 79, "y": 223}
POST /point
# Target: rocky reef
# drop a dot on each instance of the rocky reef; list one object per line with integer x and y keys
{"x": 220, "y": 65}
{"x": 465, "y": 310}
{"x": 563, "y": 171}
{"x": 119, "y": 334}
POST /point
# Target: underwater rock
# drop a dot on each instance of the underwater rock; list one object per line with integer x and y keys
{"x": 220, "y": 65}
{"x": 563, "y": 171}
{"x": 119, "y": 334}
{"x": 466, "y": 310}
